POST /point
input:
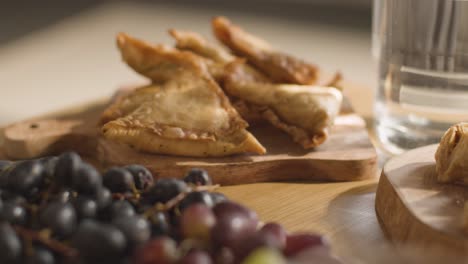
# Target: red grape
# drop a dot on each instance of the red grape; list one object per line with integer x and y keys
{"x": 234, "y": 222}
{"x": 317, "y": 254}
{"x": 228, "y": 207}
{"x": 196, "y": 222}
{"x": 277, "y": 231}
{"x": 161, "y": 250}
{"x": 298, "y": 242}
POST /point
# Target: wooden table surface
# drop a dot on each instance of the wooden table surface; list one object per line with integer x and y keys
{"x": 342, "y": 211}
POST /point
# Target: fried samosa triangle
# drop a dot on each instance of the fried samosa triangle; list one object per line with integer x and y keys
{"x": 277, "y": 65}
{"x": 305, "y": 112}
{"x": 184, "y": 112}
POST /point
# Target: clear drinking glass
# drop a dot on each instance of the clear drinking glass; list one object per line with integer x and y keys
{"x": 421, "y": 47}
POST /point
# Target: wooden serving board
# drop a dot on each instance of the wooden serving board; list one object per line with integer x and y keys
{"x": 347, "y": 155}
{"x": 414, "y": 209}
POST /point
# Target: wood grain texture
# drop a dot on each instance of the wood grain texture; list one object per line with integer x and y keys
{"x": 413, "y": 208}
{"x": 347, "y": 155}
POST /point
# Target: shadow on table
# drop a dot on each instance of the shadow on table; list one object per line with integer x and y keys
{"x": 359, "y": 238}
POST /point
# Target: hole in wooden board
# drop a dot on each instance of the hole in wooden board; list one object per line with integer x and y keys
{"x": 34, "y": 126}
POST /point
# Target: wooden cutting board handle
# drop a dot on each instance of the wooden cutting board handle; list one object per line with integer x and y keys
{"x": 48, "y": 135}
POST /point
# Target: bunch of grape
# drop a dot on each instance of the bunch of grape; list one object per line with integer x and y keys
{"x": 62, "y": 210}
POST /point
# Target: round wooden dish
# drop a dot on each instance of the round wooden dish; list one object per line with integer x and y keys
{"x": 414, "y": 209}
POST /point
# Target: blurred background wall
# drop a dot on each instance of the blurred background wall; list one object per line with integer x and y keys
{"x": 21, "y": 17}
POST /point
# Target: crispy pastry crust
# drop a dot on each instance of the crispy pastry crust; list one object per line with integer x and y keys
{"x": 219, "y": 58}
{"x": 184, "y": 113}
{"x": 304, "y": 112}
{"x": 278, "y": 66}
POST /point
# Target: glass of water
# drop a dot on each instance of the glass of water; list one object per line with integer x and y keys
{"x": 421, "y": 47}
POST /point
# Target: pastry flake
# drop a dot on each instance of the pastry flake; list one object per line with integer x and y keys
{"x": 280, "y": 67}
{"x": 183, "y": 113}
{"x": 304, "y": 112}
{"x": 451, "y": 163}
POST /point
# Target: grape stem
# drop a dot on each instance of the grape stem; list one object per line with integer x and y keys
{"x": 49, "y": 242}
{"x": 205, "y": 187}
{"x": 174, "y": 201}
{"x": 136, "y": 195}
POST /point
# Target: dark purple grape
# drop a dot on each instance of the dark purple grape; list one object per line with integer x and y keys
{"x": 97, "y": 242}
{"x": 136, "y": 229}
{"x": 49, "y": 164}
{"x": 86, "y": 179}
{"x": 85, "y": 207}
{"x": 196, "y": 198}
{"x": 121, "y": 208}
{"x": 10, "y": 244}
{"x": 196, "y": 222}
{"x": 6, "y": 194}
{"x": 196, "y": 257}
{"x": 296, "y": 243}
{"x": 63, "y": 196}
{"x": 118, "y": 180}
{"x": 141, "y": 176}
{"x": 277, "y": 231}
{"x": 198, "y": 177}
{"x": 5, "y": 164}
{"x": 5, "y": 167}
{"x": 13, "y": 213}
{"x": 67, "y": 165}
{"x": 164, "y": 190}
{"x": 41, "y": 255}
{"x": 103, "y": 198}
{"x": 33, "y": 195}
{"x": 4, "y": 178}
{"x": 218, "y": 197}
{"x": 253, "y": 241}
{"x": 159, "y": 224}
{"x": 25, "y": 176}
{"x": 233, "y": 223}
{"x": 14, "y": 198}
{"x": 60, "y": 218}
{"x": 161, "y": 250}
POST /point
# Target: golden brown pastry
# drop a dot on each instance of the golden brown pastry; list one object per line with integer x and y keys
{"x": 309, "y": 127}
{"x": 278, "y": 66}
{"x": 184, "y": 113}
{"x": 218, "y": 59}
{"x": 186, "y": 40}
{"x": 305, "y": 112}
{"x": 451, "y": 161}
